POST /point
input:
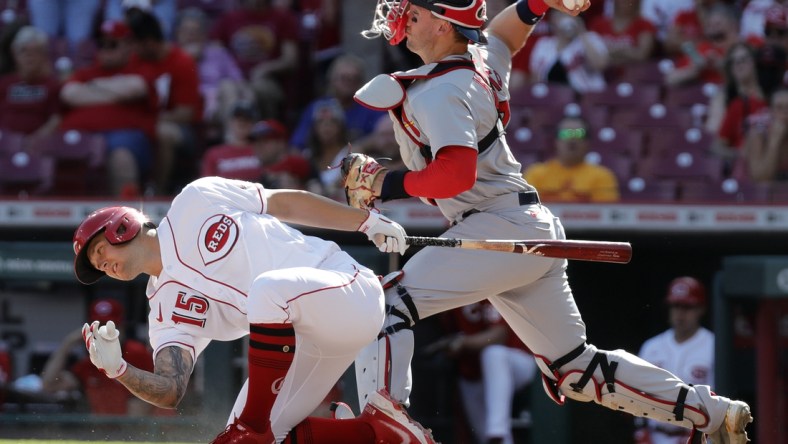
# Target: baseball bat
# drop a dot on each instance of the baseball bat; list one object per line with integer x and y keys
{"x": 582, "y": 250}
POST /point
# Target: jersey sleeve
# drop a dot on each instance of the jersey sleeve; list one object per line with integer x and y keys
{"x": 227, "y": 193}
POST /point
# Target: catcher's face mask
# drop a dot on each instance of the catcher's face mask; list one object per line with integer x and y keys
{"x": 390, "y": 20}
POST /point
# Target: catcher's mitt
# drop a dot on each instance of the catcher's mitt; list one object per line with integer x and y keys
{"x": 358, "y": 175}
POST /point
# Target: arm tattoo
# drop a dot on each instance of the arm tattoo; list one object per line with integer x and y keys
{"x": 167, "y": 385}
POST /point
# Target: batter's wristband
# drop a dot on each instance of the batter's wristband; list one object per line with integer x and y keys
{"x": 531, "y": 11}
{"x": 393, "y": 186}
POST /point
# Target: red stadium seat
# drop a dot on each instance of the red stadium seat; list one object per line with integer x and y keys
{"x": 623, "y": 94}
{"x": 725, "y": 191}
{"x": 79, "y": 162}
{"x": 640, "y": 190}
{"x": 11, "y": 142}
{"x": 554, "y": 95}
{"x": 694, "y": 140}
{"x": 23, "y": 174}
{"x": 524, "y": 140}
{"x": 681, "y": 165}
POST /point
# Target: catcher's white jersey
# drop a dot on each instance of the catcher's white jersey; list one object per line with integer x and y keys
{"x": 471, "y": 116}
{"x": 692, "y": 361}
{"x": 215, "y": 241}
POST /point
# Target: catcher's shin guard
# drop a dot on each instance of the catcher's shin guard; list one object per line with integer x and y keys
{"x": 385, "y": 363}
{"x": 584, "y": 386}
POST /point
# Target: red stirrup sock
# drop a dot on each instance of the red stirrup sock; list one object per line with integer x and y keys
{"x": 331, "y": 431}
{"x": 271, "y": 351}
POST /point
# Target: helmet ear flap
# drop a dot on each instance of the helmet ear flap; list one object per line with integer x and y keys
{"x": 124, "y": 228}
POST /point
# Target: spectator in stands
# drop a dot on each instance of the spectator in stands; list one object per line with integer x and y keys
{"x": 104, "y": 396}
{"x": 164, "y": 10}
{"x": 221, "y": 81}
{"x": 776, "y": 27}
{"x": 629, "y": 37}
{"x": 177, "y": 85}
{"x": 686, "y": 350}
{"x": 740, "y": 80}
{"x": 327, "y": 145}
{"x": 345, "y": 77}
{"x": 754, "y": 16}
{"x": 567, "y": 177}
{"x": 571, "y": 55}
{"x": 235, "y": 158}
{"x": 382, "y": 145}
{"x": 282, "y": 167}
{"x": 702, "y": 61}
{"x": 29, "y": 102}
{"x": 118, "y": 100}
{"x": 264, "y": 41}
{"x": 687, "y": 26}
{"x": 493, "y": 364}
{"x": 661, "y": 14}
{"x": 766, "y": 144}
{"x": 755, "y": 76}
{"x": 71, "y": 19}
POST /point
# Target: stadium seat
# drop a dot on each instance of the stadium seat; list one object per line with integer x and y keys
{"x": 11, "y": 142}
{"x": 640, "y": 190}
{"x": 693, "y": 140}
{"x": 623, "y": 95}
{"x": 554, "y": 95}
{"x": 79, "y": 162}
{"x": 681, "y": 165}
{"x": 724, "y": 191}
{"x": 649, "y": 72}
{"x": 620, "y": 164}
{"x": 689, "y": 95}
{"x": 620, "y": 140}
{"x": 523, "y": 140}
{"x": 23, "y": 174}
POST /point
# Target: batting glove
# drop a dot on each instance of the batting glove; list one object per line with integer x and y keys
{"x": 387, "y": 235}
{"x": 104, "y": 348}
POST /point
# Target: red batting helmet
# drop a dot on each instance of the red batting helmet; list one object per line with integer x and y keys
{"x": 119, "y": 224}
{"x": 686, "y": 291}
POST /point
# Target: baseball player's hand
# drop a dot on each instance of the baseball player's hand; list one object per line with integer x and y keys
{"x": 104, "y": 348}
{"x": 359, "y": 172}
{"x": 387, "y": 235}
{"x": 571, "y": 7}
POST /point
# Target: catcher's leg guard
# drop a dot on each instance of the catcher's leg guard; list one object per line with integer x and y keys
{"x": 385, "y": 363}
{"x": 603, "y": 388}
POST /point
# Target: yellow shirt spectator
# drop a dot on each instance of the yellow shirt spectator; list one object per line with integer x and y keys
{"x": 568, "y": 177}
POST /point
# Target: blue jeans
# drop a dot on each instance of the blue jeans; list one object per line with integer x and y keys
{"x": 72, "y": 19}
{"x": 135, "y": 141}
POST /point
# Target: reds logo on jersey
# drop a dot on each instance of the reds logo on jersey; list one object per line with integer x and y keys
{"x": 218, "y": 236}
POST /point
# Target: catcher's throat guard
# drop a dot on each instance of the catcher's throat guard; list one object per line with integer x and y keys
{"x": 389, "y": 20}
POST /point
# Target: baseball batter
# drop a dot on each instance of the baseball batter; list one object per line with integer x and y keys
{"x": 448, "y": 116}
{"x": 223, "y": 264}
{"x": 686, "y": 350}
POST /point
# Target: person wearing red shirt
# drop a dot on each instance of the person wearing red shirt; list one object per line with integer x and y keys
{"x": 178, "y": 86}
{"x": 264, "y": 40}
{"x": 688, "y": 26}
{"x": 235, "y": 159}
{"x": 629, "y": 37}
{"x": 29, "y": 101}
{"x": 702, "y": 60}
{"x": 282, "y": 167}
{"x": 115, "y": 99}
{"x": 104, "y": 396}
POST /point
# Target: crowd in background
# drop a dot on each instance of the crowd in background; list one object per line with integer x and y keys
{"x": 673, "y": 97}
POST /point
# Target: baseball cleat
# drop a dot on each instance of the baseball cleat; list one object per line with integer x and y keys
{"x": 240, "y": 433}
{"x": 391, "y": 422}
{"x": 732, "y": 430}
{"x": 340, "y": 410}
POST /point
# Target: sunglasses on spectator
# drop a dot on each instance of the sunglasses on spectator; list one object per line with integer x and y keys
{"x": 108, "y": 44}
{"x": 572, "y": 134}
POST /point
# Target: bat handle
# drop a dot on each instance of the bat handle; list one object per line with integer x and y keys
{"x": 419, "y": 241}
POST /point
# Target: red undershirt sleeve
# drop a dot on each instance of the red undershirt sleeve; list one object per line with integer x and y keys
{"x": 452, "y": 172}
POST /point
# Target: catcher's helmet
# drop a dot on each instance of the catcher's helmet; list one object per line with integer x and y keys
{"x": 686, "y": 291}
{"x": 467, "y": 16}
{"x": 119, "y": 224}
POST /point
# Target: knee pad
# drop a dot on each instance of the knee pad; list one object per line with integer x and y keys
{"x": 583, "y": 386}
